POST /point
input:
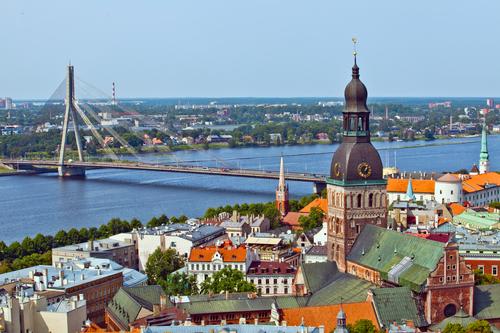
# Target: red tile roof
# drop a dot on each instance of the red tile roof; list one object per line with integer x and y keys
{"x": 229, "y": 253}
{"x": 478, "y": 182}
{"x": 318, "y": 202}
{"x": 326, "y": 315}
{"x": 270, "y": 268}
{"x": 457, "y": 208}
{"x": 419, "y": 185}
{"x": 292, "y": 219}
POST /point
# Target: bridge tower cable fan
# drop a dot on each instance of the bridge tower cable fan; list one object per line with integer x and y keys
{"x": 65, "y": 169}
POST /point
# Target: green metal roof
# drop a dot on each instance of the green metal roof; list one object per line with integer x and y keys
{"x": 487, "y": 301}
{"x": 318, "y": 275}
{"x": 124, "y": 308}
{"x": 396, "y": 305}
{"x": 478, "y": 220}
{"x": 128, "y": 301}
{"x": 344, "y": 288}
{"x": 381, "y": 249}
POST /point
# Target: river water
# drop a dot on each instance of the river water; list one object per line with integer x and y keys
{"x": 46, "y": 203}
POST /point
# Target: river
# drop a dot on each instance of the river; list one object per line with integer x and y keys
{"x": 46, "y": 203}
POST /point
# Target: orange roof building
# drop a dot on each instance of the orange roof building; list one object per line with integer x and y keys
{"x": 319, "y": 203}
{"x": 423, "y": 189}
{"x": 204, "y": 261}
{"x": 327, "y": 315}
{"x": 225, "y": 252}
{"x": 456, "y": 208}
{"x": 291, "y": 219}
{"x": 482, "y": 189}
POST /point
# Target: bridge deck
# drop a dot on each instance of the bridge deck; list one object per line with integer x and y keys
{"x": 290, "y": 176}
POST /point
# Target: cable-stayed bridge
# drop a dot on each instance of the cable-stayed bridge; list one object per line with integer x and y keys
{"x": 76, "y": 111}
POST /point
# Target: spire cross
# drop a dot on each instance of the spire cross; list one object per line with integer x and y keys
{"x": 354, "y": 49}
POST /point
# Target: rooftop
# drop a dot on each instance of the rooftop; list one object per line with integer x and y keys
{"x": 192, "y": 232}
{"x": 98, "y": 245}
{"x": 326, "y": 314}
{"x": 317, "y": 250}
{"x": 400, "y": 258}
{"x": 480, "y": 182}
{"x": 74, "y": 273}
{"x": 319, "y": 203}
{"x": 471, "y": 219}
{"x": 400, "y": 185}
{"x": 270, "y": 268}
{"x": 266, "y": 328}
{"x": 227, "y": 252}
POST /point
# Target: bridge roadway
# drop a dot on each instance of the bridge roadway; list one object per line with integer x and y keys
{"x": 318, "y": 180}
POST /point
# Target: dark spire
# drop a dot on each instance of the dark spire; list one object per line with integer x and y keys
{"x": 355, "y": 93}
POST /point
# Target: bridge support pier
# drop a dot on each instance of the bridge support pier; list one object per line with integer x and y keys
{"x": 67, "y": 171}
{"x": 318, "y": 188}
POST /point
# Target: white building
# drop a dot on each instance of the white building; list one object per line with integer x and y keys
{"x": 448, "y": 189}
{"x": 271, "y": 278}
{"x": 23, "y": 313}
{"x": 181, "y": 237}
{"x": 320, "y": 237}
{"x": 204, "y": 261}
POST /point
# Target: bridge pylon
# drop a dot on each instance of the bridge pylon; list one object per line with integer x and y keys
{"x": 64, "y": 168}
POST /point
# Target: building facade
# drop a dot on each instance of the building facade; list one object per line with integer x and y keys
{"x": 271, "y": 278}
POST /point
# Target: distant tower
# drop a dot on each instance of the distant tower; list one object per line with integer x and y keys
{"x": 451, "y": 122}
{"x": 282, "y": 191}
{"x": 386, "y": 113}
{"x": 113, "y": 101}
{"x": 341, "y": 322}
{"x": 484, "y": 157}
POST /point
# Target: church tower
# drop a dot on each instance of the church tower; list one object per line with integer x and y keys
{"x": 484, "y": 157}
{"x": 356, "y": 187}
{"x": 282, "y": 191}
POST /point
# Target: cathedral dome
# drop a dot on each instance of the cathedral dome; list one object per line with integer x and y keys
{"x": 356, "y": 161}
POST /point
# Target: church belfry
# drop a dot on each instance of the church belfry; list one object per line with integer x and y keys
{"x": 356, "y": 189}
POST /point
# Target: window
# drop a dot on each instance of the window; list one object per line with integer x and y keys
{"x": 275, "y": 281}
{"x": 267, "y": 281}
{"x": 285, "y": 281}
{"x": 357, "y": 229}
{"x": 494, "y": 270}
{"x": 260, "y": 281}
{"x": 481, "y": 268}
{"x": 267, "y": 291}
{"x": 285, "y": 290}
{"x": 454, "y": 267}
{"x": 370, "y": 200}
{"x": 359, "y": 200}
{"x": 275, "y": 290}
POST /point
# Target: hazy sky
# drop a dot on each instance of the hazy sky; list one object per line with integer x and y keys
{"x": 215, "y": 48}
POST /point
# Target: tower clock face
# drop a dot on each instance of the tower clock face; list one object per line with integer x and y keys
{"x": 336, "y": 169}
{"x": 364, "y": 170}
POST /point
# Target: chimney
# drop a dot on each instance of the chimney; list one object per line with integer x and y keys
{"x": 74, "y": 304}
{"x": 256, "y": 321}
{"x": 61, "y": 276}
{"x": 163, "y": 302}
{"x": 45, "y": 276}
{"x": 227, "y": 294}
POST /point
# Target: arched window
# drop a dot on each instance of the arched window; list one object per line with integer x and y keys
{"x": 359, "y": 201}
{"x": 376, "y": 201}
{"x": 370, "y": 200}
{"x": 360, "y": 124}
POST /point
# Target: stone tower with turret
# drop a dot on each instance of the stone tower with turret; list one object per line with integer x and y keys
{"x": 282, "y": 191}
{"x": 356, "y": 188}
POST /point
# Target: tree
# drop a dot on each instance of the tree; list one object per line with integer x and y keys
{"x": 179, "y": 284}
{"x": 227, "y": 279}
{"x": 362, "y": 326}
{"x": 313, "y": 220}
{"x": 454, "y": 328}
{"x": 161, "y": 263}
{"x": 273, "y": 214}
{"x": 135, "y": 224}
{"x": 480, "y": 278}
{"x": 479, "y": 326}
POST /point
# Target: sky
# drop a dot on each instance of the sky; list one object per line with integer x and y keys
{"x": 241, "y": 48}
